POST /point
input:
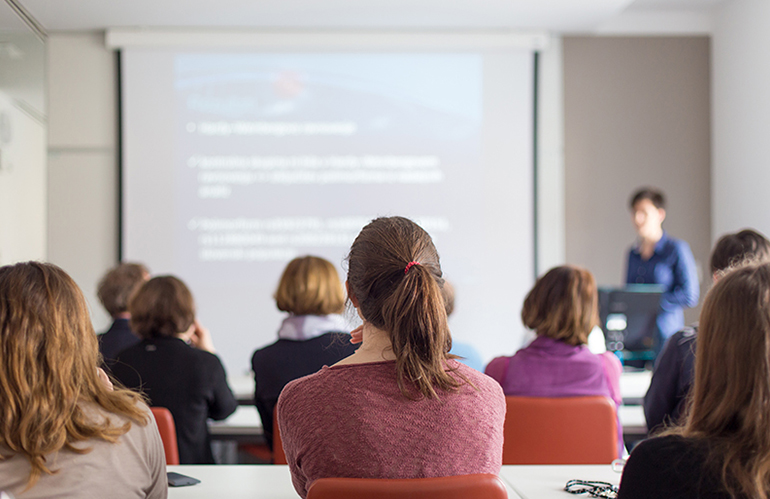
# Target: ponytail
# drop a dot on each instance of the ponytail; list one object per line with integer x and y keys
{"x": 395, "y": 274}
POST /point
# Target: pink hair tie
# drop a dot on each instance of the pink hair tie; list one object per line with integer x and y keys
{"x": 409, "y": 266}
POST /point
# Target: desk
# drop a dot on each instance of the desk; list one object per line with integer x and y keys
{"x": 244, "y": 422}
{"x": 633, "y": 386}
{"x": 243, "y": 388}
{"x": 545, "y": 482}
{"x": 246, "y": 482}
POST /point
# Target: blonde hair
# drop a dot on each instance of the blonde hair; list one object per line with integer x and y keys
{"x": 310, "y": 285}
{"x": 730, "y": 404}
{"x": 49, "y": 368}
{"x": 563, "y": 305}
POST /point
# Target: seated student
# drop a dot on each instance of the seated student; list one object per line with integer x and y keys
{"x": 175, "y": 366}
{"x": 66, "y": 432}
{"x": 671, "y": 381}
{"x": 723, "y": 448}
{"x": 400, "y": 406}
{"x": 114, "y": 290}
{"x": 314, "y": 335}
{"x": 562, "y": 309}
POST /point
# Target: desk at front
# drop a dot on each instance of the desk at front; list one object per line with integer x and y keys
{"x": 274, "y": 481}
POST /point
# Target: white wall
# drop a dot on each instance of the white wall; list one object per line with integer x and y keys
{"x": 741, "y": 117}
{"x": 22, "y": 184}
{"x": 82, "y": 160}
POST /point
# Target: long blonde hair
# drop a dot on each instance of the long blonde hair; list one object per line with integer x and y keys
{"x": 49, "y": 368}
{"x": 730, "y": 405}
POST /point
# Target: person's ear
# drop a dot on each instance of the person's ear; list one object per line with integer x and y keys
{"x": 351, "y": 296}
{"x": 662, "y": 213}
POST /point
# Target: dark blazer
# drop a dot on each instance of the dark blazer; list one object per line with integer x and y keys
{"x": 190, "y": 383}
{"x": 286, "y": 360}
{"x": 116, "y": 339}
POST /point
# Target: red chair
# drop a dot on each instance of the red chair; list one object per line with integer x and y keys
{"x": 569, "y": 430}
{"x": 279, "y": 456}
{"x": 167, "y": 429}
{"x": 482, "y": 486}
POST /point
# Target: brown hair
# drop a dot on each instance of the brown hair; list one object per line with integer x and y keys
{"x": 563, "y": 305}
{"x": 163, "y": 306}
{"x": 730, "y": 404}
{"x": 310, "y": 286}
{"x": 653, "y": 195}
{"x": 733, "y": 249}
{"x": 49, "y": 368}
{"x": 404, "y": 300}
{"x": 117, "y": 285}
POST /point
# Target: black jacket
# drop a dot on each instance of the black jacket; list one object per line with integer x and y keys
{"x": 116, "y": 339}
{"x": 671, "y": 380}
{"x": 190, "y": 383}
{"x": 286, "y": 360}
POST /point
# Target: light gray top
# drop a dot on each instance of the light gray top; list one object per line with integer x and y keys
{"x": 134, "y": 467}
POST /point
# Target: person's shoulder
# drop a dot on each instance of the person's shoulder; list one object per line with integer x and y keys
{"x": 483, "y": 382}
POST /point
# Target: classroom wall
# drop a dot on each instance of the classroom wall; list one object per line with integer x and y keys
{"x": 637, "y": 112}
{"x": 82, "y": 160}
{"x": 741, "y": 124}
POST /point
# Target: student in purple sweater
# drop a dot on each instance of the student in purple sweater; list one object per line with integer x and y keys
{"x": 562, "y": 309}
{"x": 401, "y": 406}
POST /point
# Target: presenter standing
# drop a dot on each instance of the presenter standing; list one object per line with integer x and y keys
{"x": 657, "y": 258}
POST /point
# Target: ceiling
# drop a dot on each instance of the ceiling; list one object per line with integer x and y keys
{"x": 551, "y": 15}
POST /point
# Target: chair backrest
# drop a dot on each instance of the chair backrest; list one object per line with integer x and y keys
{"x": 167, "y": 429}
{"x": 482, "y": 486}
{"x": 569, "y": 430}
{"x": 279, "y": 456}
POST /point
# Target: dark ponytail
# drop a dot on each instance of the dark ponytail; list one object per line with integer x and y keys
{"x": 404, "y": 300}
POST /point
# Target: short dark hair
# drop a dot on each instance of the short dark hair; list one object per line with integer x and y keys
{"x": 163, "y": 306}
{"x": 732, "y": 249}
{"x": 117, "y": 285}
{"x": 653, "y": 195}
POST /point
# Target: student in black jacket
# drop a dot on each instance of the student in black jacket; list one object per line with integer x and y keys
{"x": 175, "y": 365}
{"x": 312, "y": 336}
{"x": 114, "y": 290}
{"x": 665, "y": 400}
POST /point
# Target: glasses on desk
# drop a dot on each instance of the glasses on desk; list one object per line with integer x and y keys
{"x": 592, "y": 488}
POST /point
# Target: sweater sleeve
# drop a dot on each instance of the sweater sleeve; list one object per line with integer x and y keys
{"x": 286, "y": 414}
{"x": 496, "y": 369}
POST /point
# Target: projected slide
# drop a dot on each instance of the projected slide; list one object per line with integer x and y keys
{"x": 235, "y": 163}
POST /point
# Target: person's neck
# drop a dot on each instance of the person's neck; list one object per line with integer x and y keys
{"x": 375, "y": 347}
{"x": 647, "y": 244}
{"x": 121, "y": 315}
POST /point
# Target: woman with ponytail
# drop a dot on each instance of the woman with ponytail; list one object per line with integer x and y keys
{"x": 66, "y": 431}
{"x": 401, "y": 406}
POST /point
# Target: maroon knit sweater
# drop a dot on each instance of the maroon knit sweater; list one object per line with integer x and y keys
{"x": 353, "y": 421}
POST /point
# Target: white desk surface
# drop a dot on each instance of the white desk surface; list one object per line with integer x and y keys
{"x": 246, "y": 482}
{"x": 546, "y": 482}
{"x": 242, "y": 386}
{"x": 245, "y": 420}
{"x": 633, "y": 385}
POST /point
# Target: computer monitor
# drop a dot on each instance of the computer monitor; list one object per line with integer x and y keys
{"x": 627, "y": 317}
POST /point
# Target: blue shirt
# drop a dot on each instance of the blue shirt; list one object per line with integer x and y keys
{"x": 672, "y": 266}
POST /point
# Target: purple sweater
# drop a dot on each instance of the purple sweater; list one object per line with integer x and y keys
{"x": 552, "y": 368}
{"x": 352, "y": 421}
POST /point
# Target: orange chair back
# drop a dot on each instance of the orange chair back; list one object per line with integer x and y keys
{"x": 167, "y": 429}
{"x": 569, "y": 430}
{"x": 279, "y": 456}
{"x": 482, "y": 486}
